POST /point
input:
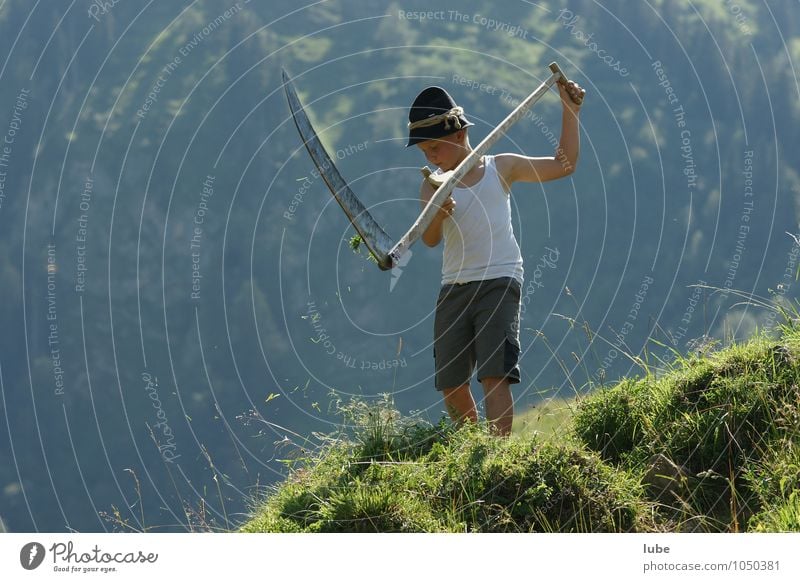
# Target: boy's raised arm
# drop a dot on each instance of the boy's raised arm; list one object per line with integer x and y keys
{"x": 519, "y": 168}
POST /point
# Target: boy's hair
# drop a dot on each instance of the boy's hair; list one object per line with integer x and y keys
{"x": 433, "y": 115}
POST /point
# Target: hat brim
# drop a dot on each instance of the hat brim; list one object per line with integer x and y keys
{"x": 421, "y": 134}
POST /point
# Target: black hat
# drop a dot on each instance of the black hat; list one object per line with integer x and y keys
{"x": 434, "y": 114}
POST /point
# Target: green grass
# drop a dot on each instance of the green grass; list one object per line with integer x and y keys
{"x": 729, "y": 419}
{"x": 550, "y": 420}
{"x": 468, "y": 481}
{"x": 396, "y": 474}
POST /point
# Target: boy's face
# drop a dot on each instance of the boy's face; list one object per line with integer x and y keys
{"x": 446, "y": 152}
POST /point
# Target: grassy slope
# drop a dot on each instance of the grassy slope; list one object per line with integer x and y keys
{"x": 550, "y": 420}
{"x": 730, "y": 421}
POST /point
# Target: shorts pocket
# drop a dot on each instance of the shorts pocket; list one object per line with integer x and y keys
{"x": 510, "y": 352}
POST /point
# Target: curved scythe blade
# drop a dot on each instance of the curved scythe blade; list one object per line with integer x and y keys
{"x": 377, "y": 241}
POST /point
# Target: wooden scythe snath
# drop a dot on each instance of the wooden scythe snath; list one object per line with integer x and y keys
{"x": 387, "y": 253}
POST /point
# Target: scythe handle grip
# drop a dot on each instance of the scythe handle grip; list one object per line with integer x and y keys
{"x": 562, "y": 80}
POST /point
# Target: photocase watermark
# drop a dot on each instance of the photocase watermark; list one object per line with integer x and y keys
{"x": 548, "y": 260}
{"x": 322, "y": 338}
{"x": 53, "y": 342}
{"x": 67, "y": 559}
{"x": 169, "y": 69}
{"x": 6, "y": 147}
{"x": 679, "y": 116}
{"x": 741, "y": 20}
{"x": 490, "y": 24}
{"x": 513, "y": 102}
{"x": 568, "y": 20}
{"x": 100, "y": 8}
{"x": 32, "y": 555}
{"x": 686, "y": 149}
{"x": 421, "y": 16}
{"x": 195, "y": 242}
{"x": 209, "y": 28}
{"x": 306, "y": 182}
{"x": 474, "y": 85}
{"x": 168, "y": 448}
{"x": 376, "y": 365}
{"x": 630, "y": 321}
{"x": 535, "y": 118}
{"x": 84, "y": 205}
{"x": 743, "y": 227}
{"x": 786, "y": 281}
{"x": 688, "y": 314}
{"x": 155, "y": 89}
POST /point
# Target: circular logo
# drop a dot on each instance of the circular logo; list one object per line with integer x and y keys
{"x": 32, "y": 555}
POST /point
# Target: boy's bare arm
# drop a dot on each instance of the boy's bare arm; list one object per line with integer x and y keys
{"x": 519, "y": 168}
{"x": 433, "y": 234}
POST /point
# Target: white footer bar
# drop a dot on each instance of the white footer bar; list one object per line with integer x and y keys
{"x": 399, "y": 557}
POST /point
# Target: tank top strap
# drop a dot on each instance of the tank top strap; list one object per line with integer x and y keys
{"x": 493, "y": 174}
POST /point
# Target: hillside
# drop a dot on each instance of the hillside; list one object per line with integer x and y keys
{"x": 712, "y": 444}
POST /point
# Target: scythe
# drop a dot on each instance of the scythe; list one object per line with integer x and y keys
{"x": 386, "y": 252}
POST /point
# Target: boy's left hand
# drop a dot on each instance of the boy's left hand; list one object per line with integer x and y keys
{"x": 571, "y": 95}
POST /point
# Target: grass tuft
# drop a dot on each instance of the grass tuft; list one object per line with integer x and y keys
{"x": 394, "y": 473}
{"x": 710, "y": 444}
{"x": 730, "y": 421}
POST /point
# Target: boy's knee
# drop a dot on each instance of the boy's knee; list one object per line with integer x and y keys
{"x": 456, "y": 392}
{"x": 491, "y": 383}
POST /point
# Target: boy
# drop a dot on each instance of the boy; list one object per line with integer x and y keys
{"x": 477, "y": 312}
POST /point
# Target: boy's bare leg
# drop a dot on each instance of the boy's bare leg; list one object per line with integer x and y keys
{"x": 460, "y": 404}
{"x": 499, "y": 405}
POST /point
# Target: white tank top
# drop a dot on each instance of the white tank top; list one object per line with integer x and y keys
{"x": 479, "y": 240}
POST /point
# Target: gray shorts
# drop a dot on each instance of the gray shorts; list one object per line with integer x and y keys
{"x": 477, "y": 323}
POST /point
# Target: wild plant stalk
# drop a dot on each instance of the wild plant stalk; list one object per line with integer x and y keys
{"x": 139, "y": 496}
{"x": 210, "y": 461}
{"x": 567, "y": 375}
{"x": 586, "y": 329}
